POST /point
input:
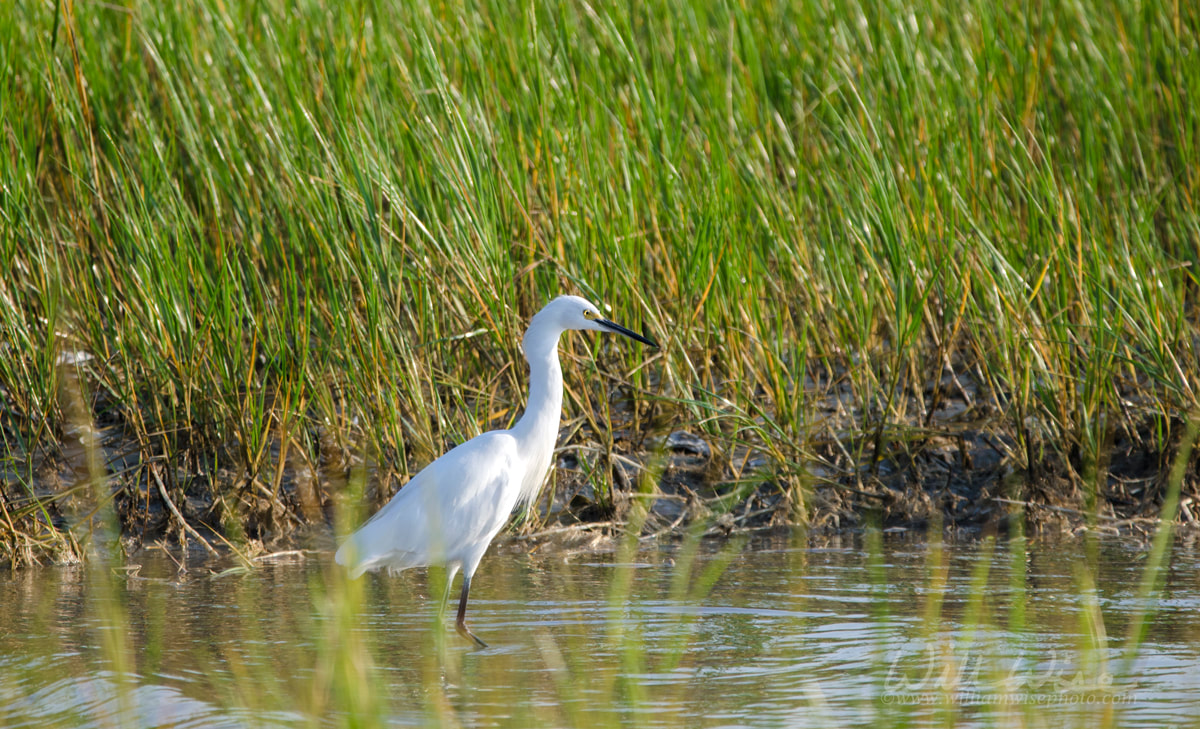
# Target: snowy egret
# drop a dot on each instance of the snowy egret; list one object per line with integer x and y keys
{"x": 449, "y": 512}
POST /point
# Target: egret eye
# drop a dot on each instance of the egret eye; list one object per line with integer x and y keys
{"x": 590, "y": 315}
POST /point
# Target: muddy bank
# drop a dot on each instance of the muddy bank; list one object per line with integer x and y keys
{"x": 962, "y": 464}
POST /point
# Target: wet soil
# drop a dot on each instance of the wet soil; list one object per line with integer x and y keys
{"x": 959, "y": 464}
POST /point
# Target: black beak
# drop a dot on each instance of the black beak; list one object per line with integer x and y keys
{"x": 627, "y": 332}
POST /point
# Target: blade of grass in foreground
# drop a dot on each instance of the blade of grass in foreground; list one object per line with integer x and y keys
{"x": 1158, "y": 560}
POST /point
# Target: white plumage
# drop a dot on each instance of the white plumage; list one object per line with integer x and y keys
{"x": 449, "y": 513}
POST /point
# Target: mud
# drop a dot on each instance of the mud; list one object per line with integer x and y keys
{"x": 960, "y": 466}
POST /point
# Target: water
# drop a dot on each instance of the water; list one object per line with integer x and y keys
{"x": 795, "y": 632}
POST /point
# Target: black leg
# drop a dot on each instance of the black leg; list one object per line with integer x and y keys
{"x": 461, "y": 624}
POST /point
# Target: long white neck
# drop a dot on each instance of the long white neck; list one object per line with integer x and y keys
{"x": 537, "y": 429}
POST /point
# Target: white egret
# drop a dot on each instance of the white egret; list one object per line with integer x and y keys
{"x": 449, "y": 512}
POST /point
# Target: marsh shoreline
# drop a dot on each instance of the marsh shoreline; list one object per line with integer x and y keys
{"x": 962, "y": 473}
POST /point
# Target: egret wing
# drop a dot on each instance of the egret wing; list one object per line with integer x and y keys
{"x": 444, "y": 512}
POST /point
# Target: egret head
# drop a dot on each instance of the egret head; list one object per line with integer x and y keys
{"x": 573, "y": 312}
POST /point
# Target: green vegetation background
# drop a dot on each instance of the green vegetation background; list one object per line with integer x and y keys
{"x": 292, "y": 233}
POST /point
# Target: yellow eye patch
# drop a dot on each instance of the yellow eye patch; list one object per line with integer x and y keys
{"x": 590, "y": 315}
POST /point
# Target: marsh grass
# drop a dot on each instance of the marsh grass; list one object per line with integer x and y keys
{"x": 281, "y": 242}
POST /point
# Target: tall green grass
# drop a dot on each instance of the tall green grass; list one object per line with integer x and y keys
{"x": 290, "y": 234}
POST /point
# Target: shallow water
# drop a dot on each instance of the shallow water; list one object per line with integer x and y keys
{"x": 795, "y": 632}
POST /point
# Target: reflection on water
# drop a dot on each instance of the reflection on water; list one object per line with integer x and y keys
{"x": 795, "y": 632}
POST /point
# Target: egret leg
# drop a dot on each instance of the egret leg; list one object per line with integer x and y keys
{"x": 461, "y": 624}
